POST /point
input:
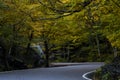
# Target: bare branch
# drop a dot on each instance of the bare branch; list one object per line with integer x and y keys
{"x": 51, "y": 18}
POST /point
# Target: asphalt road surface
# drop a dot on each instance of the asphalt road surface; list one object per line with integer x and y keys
{"x": 71, "y": 72}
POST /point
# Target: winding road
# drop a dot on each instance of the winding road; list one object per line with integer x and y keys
{"x": 70, "y": 72}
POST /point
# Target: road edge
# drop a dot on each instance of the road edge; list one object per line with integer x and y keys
{"x": 85, "y": 75}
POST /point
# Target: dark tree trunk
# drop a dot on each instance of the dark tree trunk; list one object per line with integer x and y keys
{"x": 29, "y": 43}
{"x": 5, "y": 59}
{"x": 6, "y": 62}
{"x": 4, "y": 52}
{"x": 46, "y": 53}
{"x": 115, "y": 52}
{"x": 98, "y": 45}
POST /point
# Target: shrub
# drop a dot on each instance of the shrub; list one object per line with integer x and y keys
{"x": 110, "y": 71}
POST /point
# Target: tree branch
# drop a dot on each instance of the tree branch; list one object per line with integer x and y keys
{"x": 61, "y": 11}
{"x": 116, "y": 3}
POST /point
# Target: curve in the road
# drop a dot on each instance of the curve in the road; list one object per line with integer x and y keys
{"x": 86, "y": 75}
{"x": 74, "y": 72}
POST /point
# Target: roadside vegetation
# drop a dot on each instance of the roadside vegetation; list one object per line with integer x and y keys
{"x": 67, "y": 30}
{"x": 110, "y": 71}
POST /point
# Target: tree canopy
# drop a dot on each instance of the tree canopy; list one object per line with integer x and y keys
{"x": 77, "y": 30}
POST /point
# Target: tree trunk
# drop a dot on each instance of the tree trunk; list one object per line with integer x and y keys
{"x": 6, "y": 62}
{"x": 115, "y": 52}
{"x": 5, "y": 59}
{"x": 29, "y": 43}
{"x": 68, "y": 54}
{"x": 98, "y": 45}
{"x": 46, "y": 53}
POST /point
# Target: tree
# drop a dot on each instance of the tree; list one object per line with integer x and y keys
{"x": 14, "y": 28}
{"x": 52, "y": 10}
{"x": 110, "y": 22}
